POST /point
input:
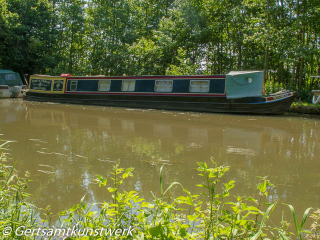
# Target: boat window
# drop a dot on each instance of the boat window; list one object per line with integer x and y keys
{"x": 128, "y": 85}
{"x": 104, "y": 85}
{"x": 58, "y": 85}
{"x": 199, "y": 85}
{"x": 73, "y": 85}
{"x": 10, "y": 77}
{"x": 163, "y": 86}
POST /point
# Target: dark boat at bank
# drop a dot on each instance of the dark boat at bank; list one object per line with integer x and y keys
{"x": 11, "y": 84}
{"x": 236, "y": 92}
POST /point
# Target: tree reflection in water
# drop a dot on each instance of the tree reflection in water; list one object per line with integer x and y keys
{"x": 78, "y": 142}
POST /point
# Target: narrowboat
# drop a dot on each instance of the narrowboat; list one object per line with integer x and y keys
{"x": 236, "y": 92}
{"x": 11, "y": 84}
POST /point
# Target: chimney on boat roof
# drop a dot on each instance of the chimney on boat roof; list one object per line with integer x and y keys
{"x": 65, "y": 75}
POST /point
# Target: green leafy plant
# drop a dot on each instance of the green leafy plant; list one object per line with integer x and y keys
{"x": 299, "y": 228}
{"x": 15, "y": 210}
{"x": 214, "y": 214}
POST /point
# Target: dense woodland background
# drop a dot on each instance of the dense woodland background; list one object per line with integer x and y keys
{"x": 144, "y": 37}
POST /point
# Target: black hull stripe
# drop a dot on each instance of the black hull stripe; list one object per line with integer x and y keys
{"x": 275, "y": 107}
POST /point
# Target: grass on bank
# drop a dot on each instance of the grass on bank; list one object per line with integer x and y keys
{"x": 166, "y": 217}
{"x": 305, "y": 108}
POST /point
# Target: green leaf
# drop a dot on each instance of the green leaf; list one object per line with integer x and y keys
{"x": 251, "y": 199}
{"x": 283, "y": 236}
{"x": 171, "y": 185}
{"x": 9, "y": 176}
{"x": 295, "y": 220}
{"x": 192, "y": 217}
{"x": 155, "y": 231}
{"x": 189, "y": 201}
{"x": 262, "y": 187}
{"x": 256, "y": 236}
{"x": 263, "y": 221}
{"x": 74, "y": 208}
{"x": 62, "y": 213}
{"x": 201, "y": 185}
{"x": 252, "y": 208}
{"x": 161, "y": 185}
{"x": 267, "y": 214}
{"x": 144, "y": 204}
{"x": 101, "y": 180}
{"x": 82, "y": 200}
{"x": 294, "y": 217}
{"x": 183, "y": 232}
{"x": 304, "y": 218}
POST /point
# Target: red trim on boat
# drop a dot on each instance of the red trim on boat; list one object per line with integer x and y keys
{"x": 4, "y": 87}
{"x": 144, "y": 94}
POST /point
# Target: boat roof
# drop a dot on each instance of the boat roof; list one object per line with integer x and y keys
{"x": 6, "y": 71}
{"x": 10, "y": 78}
{"x": 233, "y": 73}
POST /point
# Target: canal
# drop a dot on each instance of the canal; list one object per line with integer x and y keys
{"x": 64, "y": 147}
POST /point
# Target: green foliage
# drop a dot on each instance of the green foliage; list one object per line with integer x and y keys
{"x": 215, "y": 214}
{"x": 145, "y": 57}
{"x": 27, "y": 35}
{"x": 305, "y": 108}
{"x": 299, "y": 228}
{"x": 273, "y": 87}
{"x": 315, "y": 226}
{"x": 15, "y": 211}
{"x": 140, "y": 37}
{"x": 304, "y": 93}
{"x": 184, "y": 66}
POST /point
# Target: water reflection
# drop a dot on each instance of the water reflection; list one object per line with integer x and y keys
{"x": 66, "y": 146}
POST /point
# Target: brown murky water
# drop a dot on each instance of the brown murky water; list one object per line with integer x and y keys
{"x": 65, "y": 146}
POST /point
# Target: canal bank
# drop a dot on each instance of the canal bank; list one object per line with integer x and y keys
{"x": 305, "y": 108}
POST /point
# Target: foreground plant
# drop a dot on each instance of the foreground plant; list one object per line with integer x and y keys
{"x": 314, "y": 233}
{"x": 15, "y": 210}
{"x": 215, "y": 214}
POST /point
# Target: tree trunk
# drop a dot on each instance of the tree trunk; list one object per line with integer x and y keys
{"x": 265, "y": 70}
{"x": 301, "y": 77}
{"x": 240, "y": 56}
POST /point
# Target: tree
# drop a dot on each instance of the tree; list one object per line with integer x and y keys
{"x": 27, "y": 36}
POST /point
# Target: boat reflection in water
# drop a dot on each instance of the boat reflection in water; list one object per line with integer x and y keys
{"x": 127, "y": 122}
{"x": 66, "y": 146}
